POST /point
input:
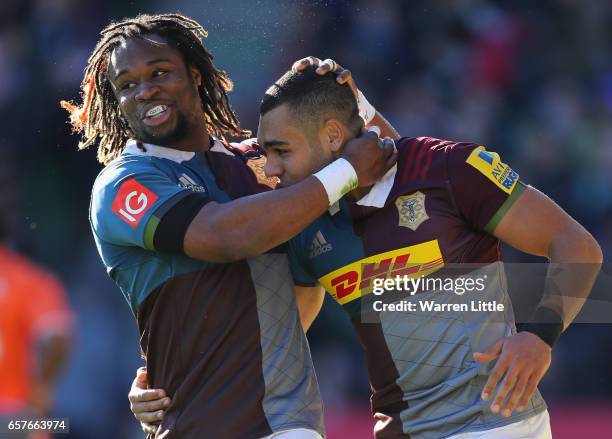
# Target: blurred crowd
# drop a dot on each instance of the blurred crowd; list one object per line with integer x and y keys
{"x": 530, "y": 80}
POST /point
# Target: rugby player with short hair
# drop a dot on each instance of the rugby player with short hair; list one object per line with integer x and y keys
{"x": 218, "y": 323}
{"x": 431, "y": 372}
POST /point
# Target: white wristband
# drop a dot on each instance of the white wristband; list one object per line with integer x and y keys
{"x": 366, "y": 110}
{"x": 338, "y": 178}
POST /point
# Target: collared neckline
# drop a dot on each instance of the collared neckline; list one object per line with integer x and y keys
{"x": 380, "y": 191}
{"x": 176, "y": 155}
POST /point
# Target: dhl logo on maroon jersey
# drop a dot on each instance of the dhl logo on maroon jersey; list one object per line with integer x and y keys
{"x": 355, "y": 280}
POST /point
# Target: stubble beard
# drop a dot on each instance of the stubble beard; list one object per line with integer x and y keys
{"x": 146, "y": 135}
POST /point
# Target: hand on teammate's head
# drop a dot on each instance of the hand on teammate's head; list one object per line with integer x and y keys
{"x": 343, "y": 76}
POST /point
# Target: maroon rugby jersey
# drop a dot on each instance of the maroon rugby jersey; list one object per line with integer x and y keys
{"x": 437, "y": 208}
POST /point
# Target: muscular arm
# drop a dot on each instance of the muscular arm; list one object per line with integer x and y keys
{"x": 537, "y": 225}
{"x": 309, "y": 302}
{"x": 252, "y": 225}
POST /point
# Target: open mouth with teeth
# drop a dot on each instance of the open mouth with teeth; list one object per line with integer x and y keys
{"x": 157, "y": 115}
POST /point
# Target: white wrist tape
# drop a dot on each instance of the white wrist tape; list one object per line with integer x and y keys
{"x": 338, "y": 178}
{"x": 366, "y": 110}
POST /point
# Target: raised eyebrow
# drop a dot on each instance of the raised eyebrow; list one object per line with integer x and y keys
{"x": 153, "y": 61}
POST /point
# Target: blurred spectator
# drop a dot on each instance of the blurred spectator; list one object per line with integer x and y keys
{"x": 35, "y": 330}
{"x": 35, "y": 323}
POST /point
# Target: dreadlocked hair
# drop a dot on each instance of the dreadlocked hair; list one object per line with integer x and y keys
{"x": 98, "y": 116}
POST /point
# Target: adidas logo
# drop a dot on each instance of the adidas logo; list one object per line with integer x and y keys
{"x": 318, "y": 246}
{"x": 188, "y": 183}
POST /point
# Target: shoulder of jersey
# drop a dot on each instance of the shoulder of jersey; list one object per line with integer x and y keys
{"x": 255, "y": 157}
{"x": 248, "y": 149}
{"x": 423, "y": 159}
{"x": 122, "y": 167}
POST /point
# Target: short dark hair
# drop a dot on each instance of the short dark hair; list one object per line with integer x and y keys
{"x": 312, "y": 97}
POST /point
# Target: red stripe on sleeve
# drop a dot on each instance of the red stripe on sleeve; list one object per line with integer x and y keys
{"x": 427, "y": 163}
{"x": 407, "y": 165}
{"x": 417, "y": 163}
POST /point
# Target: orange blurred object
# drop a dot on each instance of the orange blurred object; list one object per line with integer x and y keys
{"x": 32, "y": 305}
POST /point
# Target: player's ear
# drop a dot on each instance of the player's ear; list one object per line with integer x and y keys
{"x": 332, "y": 135}
{"x": 196, "y": 75}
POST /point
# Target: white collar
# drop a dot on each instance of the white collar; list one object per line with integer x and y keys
{"x": 380, "y": 191}
{"x": 176, "y": 155}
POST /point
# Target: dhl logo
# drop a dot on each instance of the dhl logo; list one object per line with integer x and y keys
{"x": 355, "y": 280}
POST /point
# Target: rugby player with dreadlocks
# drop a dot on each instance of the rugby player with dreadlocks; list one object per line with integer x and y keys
{"x": 181, "y": 235}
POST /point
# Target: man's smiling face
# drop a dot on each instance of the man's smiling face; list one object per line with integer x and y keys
{"x": 157, "y": 92}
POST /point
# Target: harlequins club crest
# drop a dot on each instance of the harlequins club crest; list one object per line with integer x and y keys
{"x": 411, "y": 210}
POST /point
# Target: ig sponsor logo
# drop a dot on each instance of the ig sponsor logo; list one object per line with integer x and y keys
{"x": 132, "y": 202}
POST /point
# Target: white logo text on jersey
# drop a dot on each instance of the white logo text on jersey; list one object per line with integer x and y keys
{"x": 142, "y": 201}
{"x": 318, "y": 246}
{"x": 188, "y": 183}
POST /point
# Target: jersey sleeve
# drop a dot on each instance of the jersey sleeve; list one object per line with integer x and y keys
{"x": 483, "y": 186}
{"x": 129, "y": 201}
{"x": 299, "y": 269}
